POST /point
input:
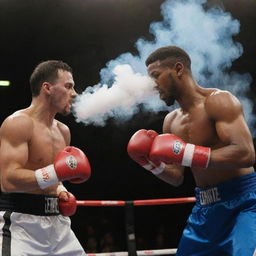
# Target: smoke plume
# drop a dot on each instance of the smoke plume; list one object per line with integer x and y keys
{"x": 206, "y": 34}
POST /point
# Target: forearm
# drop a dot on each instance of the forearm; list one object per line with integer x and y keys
{"x": 232, "y": 157}
{"x": 172, "y": 174}
{"x": 19, "y": 180}
{"x": 16, "y": 178}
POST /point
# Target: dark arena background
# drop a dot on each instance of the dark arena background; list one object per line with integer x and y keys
{"x": 87, "y": 35}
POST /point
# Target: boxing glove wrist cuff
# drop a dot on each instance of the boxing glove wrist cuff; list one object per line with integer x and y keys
{"x": 60, "y": 188}
{"x": 46, "y": 176}
{"x": 156, "y": 170}
{"x": 196, "y": 156}
{"x": 159, "y": 169}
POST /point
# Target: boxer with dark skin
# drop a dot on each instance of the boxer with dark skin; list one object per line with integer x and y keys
{"x": 208, "y": 117}
{"x": 209, "y": 134}
{"x": 35, "y": 157}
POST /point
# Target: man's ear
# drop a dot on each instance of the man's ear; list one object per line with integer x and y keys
{"x": 179, "y": 67}
{"x": 46, "y": 87}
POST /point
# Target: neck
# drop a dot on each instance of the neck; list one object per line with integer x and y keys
{"x": 191, "y": 94}
{"x": 42, "y": 110}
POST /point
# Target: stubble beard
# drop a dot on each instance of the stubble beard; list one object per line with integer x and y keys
{"x": 65, "y": 112}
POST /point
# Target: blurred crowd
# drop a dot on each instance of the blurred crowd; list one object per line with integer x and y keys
{"x": 111, "y": 241}
{"x": 104, "y": 230}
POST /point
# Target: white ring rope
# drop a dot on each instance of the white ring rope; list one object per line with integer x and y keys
{"x": 170, "y": 252}
{"x": 139, "y": 253}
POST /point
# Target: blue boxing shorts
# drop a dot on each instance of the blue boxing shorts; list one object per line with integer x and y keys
{"x": 223, "y": 220}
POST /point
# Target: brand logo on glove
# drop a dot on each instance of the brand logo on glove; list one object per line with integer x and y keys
{"x": 71, "y": 162}
{"x": 177, "y": 147}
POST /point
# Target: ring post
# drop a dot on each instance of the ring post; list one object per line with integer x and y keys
{"x": 130, "y": 232}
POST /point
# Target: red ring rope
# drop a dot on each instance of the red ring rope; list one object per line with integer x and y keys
{"x": 181, "y": 200}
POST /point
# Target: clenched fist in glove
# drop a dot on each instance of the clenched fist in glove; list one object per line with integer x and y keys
{"x": 69, "y": 164}
{"x": 171, "y": 149}
{"x": 139, "y": 147}
{"x": 67, "y": 203}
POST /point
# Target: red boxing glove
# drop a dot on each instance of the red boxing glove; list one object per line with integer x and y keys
{"x": 68, "y": 208}
{"x": 171, "y": 149}
{"x": 139, "y": 147}
{"x": 70, "y": 164}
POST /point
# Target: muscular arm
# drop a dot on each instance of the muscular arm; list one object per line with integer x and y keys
{"x": 67, "y": 137}
{"x": 15, "y": 136}
{"x": 233, "y": 132}
{"x": 173, "y": 174}
{"x": 65, "y": 132}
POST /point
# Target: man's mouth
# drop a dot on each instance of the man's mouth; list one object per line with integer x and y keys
{"x": 70, "y": 103}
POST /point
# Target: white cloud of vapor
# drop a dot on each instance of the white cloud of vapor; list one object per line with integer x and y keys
{"x": 207, "y": 35}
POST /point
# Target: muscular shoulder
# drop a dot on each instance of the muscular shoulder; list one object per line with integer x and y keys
{"x": 64, "y": 131}
{"x": 17, "y": 127}
{"x": 222, "y": 105}
{"x": 168, "y": 120}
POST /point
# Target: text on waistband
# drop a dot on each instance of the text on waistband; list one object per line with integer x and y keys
{"x": 209, "y": 196}
{"x": 51, "y": 205}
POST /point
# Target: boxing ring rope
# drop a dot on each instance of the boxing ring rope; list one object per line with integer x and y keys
{"x": 129, "y": 219}
{"x": 139, "y": 253}
{"x": 181, "y": 200}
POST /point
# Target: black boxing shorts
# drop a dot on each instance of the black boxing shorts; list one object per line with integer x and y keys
{"x": 29, "y": 203}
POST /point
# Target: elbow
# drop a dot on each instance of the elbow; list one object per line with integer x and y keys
{"x": 251, "y": 160}
{"x": 8, "y": 183}
{"x": 176, "y": 184}
{"x": 7, "y": 186}
{"x": 247, "y": 158}
{"x": 178, "y": 181}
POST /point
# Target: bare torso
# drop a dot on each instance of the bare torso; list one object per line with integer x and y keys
{"x": 44, "y": 145}
{"x": 198, "y": 128}
{"x": 44, "y": 142}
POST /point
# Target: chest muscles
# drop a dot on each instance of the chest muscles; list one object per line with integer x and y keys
{"x": 45, "y": 143}
{"x": 194, "y": 127}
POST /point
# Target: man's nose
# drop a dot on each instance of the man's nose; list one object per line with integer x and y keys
{"x": 74, "y": 93}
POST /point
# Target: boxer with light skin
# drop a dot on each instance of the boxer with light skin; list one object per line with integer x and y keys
{"x": 35, "y": 157}
{"x": 209, "y": 134}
